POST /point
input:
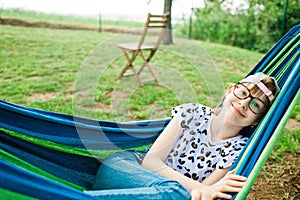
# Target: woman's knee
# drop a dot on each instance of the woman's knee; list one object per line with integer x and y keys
{"x": 116, "y": 170}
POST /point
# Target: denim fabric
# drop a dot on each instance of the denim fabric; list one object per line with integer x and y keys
{"x": 121, "y": 176}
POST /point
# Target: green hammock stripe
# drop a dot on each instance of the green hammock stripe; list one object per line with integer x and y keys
{"x": 267, "y": 151}
{"x": 284, "y": 57}
{"x": 275, "y": 64}
{"x": 47, "y": 144}
{"x": 7, "y": 194}
{"x": 285, "y": 67}
{"x": 27, "y": 166}
{"x": 54, "y": 146}
{"x": 101, "y": 154}
{"x": 288, "y": 64}
{"x": 283, "y": 51}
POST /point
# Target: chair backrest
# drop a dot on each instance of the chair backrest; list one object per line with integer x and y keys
{"x": 158, "y": 22}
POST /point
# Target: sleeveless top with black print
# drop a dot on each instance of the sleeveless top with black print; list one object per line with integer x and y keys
{"x": 195, "y": 155}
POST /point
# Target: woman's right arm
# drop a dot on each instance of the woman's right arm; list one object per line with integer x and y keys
{"x": 154, "y": 159}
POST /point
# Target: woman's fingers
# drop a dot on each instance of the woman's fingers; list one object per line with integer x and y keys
{"x": 235, "y": 177}
{"x": 234, "y": 183}
{"x": 231, "y": 188}
{"x": 223, "y": 195}
{"x": 230, "y": 183}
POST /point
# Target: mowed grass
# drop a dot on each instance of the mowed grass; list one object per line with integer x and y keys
{"x": 76, "y": 72}
{"x": 39, "y": 69}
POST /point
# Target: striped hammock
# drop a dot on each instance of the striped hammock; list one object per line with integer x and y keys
{"x": 46, "y": 155}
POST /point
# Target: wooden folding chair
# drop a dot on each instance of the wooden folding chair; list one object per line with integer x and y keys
{"x": 132, "y": 50}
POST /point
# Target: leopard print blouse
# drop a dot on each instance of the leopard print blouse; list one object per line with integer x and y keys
{"x": 195, "y": 155}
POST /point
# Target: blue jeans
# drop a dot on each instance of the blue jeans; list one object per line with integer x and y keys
{"x": 121, "y": 176}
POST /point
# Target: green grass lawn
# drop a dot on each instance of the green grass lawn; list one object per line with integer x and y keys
{"x": 76, "y": 72}
{"x": 39, "y": 68}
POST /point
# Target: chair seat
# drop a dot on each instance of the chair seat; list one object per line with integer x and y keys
{"x": 134, "y": 46}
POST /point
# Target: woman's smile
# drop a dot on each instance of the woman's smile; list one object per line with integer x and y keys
{"x": 237, "y": 111}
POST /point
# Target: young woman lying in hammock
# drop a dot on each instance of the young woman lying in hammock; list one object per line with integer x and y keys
{"x": 192, "y": 156}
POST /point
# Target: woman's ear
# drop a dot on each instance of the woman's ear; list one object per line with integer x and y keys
{"x": 258, "y": 119}
{"x": 255, "y": 123}
{"x": 229, "y": 90}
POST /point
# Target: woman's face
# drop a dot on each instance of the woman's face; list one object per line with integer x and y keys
{"x": 237, "y": 111}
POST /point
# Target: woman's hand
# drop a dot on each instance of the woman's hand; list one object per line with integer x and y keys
{"x": 229, "y": 183}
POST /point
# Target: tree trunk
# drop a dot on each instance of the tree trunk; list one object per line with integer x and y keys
{"x": 168, "y": 39}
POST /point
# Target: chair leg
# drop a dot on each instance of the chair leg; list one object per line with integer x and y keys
{"x": 130, "y": 65}
{"x": 146, "y": 63}
{"x": 123, "y": 71}
{"x": 137, "y": 76}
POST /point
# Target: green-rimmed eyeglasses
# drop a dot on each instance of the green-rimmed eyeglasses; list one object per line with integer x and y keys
{"x": 256, "y": 105}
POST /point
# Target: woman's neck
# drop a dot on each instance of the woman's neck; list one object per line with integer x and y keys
{"x": 221, "y": 130}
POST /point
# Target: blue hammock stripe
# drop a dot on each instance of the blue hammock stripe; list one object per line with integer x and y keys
{"x": 287, "y": 74}
{"x": 79, "y": 170}
{"x": 72, "y": 130}
{"x": 289, "y": 83}
{"x": 15, "y": 179}
{"x": 266, "y": 152}
{"x": 25, "y": 131}
{"x": 291, "y": 38}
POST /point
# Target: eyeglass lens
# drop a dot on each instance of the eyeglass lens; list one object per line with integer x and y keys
{"x": 256, "y": 105}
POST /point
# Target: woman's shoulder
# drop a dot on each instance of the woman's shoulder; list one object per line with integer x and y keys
{"x": 191, "y": 108}
{"x": 192, "y": 113}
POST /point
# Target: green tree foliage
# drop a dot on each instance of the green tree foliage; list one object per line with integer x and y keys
{"x": 258, "y": 27}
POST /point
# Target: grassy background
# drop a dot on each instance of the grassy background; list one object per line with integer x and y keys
{"x": 40, "y": 68}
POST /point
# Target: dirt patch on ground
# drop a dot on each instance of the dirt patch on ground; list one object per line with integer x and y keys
{"x": 46, "y": 96}
{"x": 278, "y": 179}
{"x": 43, "y": 24}
{"x": 292, "y": 123}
